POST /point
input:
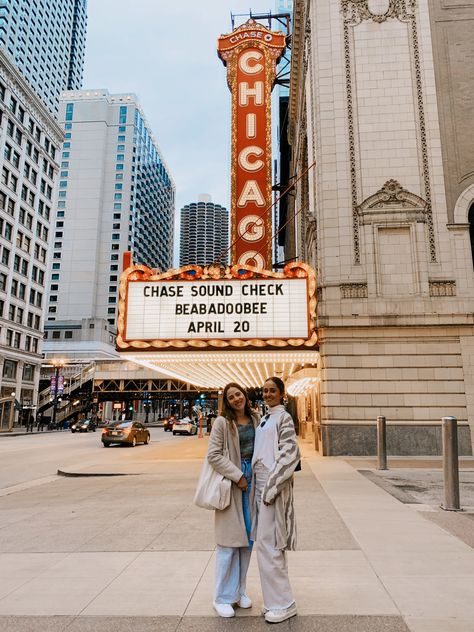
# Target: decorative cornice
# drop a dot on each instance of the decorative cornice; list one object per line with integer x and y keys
{"x": 356, "y": 11}
{"x": 19, "y": 86}
{"x": 392, "y": 193}
{"x": 297, "y": 59}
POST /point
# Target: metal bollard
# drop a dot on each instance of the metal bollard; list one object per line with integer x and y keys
{"x": 450, "y": 464}
{"x": 382, "y": 443}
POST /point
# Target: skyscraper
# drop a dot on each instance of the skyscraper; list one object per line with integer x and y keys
{"x": 29, "y": 144}
{"x": 204, "y": 233}
{"x": 115, "y": 194}
{"x": 46, "y": 41}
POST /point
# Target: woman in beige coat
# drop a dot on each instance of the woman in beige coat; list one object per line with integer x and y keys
{"x": 236, "y": 429}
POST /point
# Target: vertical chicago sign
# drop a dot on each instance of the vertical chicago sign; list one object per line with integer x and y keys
{"x": 250, "y": 53}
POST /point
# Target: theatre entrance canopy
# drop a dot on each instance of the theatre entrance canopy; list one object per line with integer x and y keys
{"x": 212, "y": 325}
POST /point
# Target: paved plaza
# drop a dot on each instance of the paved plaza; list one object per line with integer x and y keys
{"x": 131, "y": 552}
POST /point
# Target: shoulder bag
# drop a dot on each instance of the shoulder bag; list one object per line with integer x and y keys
{"x": 213, "y": 490}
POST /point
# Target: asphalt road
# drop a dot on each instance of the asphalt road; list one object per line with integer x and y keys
{"x": 34, "y": 457}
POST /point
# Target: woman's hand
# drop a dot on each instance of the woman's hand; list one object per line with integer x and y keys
{"x": 242, "y": 483}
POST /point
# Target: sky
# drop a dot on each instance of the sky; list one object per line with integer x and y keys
{"x": 165, "y": 53}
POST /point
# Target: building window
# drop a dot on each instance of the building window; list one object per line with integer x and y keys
{"x": 9, "y": 369}
{"x": 470, "y": 219}
{"x": 28, "y": 372}
{"x": 56, "y": 334}
{"x": 68, "y": 334}
{"x": 122, "y": 115}
{"x": 69, "y": 111}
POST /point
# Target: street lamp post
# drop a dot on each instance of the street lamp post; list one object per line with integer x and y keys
{"x": 57, "y": 367}
{"x": 12, "y": 412}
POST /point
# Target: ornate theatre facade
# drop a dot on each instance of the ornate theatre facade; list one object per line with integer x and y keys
{"x": 381, "y": 101}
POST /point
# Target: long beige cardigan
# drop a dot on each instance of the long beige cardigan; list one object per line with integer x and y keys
{"x": 229, "y": 523}
{"x": 279, "y": 486}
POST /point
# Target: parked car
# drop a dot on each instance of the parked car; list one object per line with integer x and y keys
{"x": 83, "y": 425}
{"x": 125, "y": 432}
{"x": 168, "y": 423}
{"x": 184, "y": 426}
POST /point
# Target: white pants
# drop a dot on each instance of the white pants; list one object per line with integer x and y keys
{"x": 272, "y": 563}
{"x": 232, "y": 564}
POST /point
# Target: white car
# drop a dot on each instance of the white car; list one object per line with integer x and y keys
{"x": 184, "y": 426}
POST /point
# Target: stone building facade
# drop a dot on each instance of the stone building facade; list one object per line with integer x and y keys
{"x": 29, "y": 147}
{"x": 380, "y": 123}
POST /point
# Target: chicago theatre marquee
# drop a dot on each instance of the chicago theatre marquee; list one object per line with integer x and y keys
{"x": 214, "y": 324}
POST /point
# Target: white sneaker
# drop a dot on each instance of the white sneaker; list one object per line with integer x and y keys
{"x": 277, "y": 616}
{"x": 244, "y": 602}
{"x": 224, "y": 609}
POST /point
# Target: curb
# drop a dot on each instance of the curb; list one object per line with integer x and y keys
{"x": 90, "y": 474}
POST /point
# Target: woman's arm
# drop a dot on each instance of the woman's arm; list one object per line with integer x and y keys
{"x": 215, "y": 452}
{"x": 287, "y": 459}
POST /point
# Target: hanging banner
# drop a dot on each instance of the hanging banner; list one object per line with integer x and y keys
{"x": 250, "y": 53}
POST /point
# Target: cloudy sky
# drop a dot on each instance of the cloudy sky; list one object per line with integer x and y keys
{"x": 165, "y": 52}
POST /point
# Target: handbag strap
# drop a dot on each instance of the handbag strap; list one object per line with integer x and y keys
{"x": 226, "y": 440}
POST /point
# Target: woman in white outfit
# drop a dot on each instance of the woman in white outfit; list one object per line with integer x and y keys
{"x": 236, "y": 429}
{"x": 275, "y": 457}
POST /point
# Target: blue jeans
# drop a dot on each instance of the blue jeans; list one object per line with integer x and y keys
{"x": 232, "y": 563}
{"x": 247, "y": 472}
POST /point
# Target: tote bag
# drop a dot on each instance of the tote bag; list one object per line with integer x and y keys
{"x": 213, "y": 489}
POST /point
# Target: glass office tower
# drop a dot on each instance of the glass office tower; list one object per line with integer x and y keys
{"x": 46, "y": 41}
{"x": 116, "y": 194}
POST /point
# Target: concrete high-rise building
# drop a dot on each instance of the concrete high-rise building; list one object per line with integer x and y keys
{"x": 46, "y": 41}
{"x": 380, "y": 122}
{"x": 30, "y": 142}
{"x": 204, "y": 235}
{"x": 115, "y": 195}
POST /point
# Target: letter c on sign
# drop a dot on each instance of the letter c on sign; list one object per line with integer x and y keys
{"x": 244, "y": 62}
{"x": 244, "y": 155}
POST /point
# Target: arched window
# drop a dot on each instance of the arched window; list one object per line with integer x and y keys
{"x": 470, "y": 219}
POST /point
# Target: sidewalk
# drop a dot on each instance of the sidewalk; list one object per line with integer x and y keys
{"x": 133, "y": 553}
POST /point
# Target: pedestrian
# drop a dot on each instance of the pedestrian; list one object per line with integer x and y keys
{"x": 30, "y": 423}
{"x": 234, "y": 428}
{"x": 275, "y": 457}
{"x": 40, "y": 421}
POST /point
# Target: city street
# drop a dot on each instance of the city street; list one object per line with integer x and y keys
{"x": 119, "y": 545}
{"x": 35, "y": 458}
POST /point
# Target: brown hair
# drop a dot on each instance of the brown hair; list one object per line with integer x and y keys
{"x": 227, "y": 411}
{"x": 279, "y": 384}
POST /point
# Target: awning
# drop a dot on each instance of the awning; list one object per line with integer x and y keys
{"x": 215, "y": 369}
